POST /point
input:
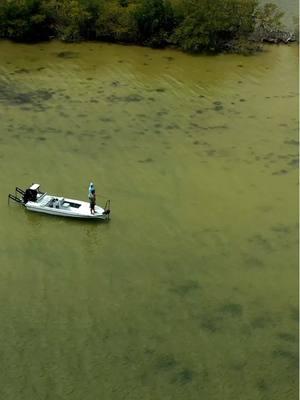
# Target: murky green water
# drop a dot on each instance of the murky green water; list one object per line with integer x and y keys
{"x": 191, "y": 290}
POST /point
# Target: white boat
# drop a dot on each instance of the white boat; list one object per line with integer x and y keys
{"x": 35, "y": 200}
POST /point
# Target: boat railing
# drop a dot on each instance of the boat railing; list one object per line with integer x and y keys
{"x": 42, "y": 195}
{"x": 20, "y": 191}
{"x": 15, "y": 197}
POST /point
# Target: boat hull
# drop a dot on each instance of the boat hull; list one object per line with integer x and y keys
{"x": 61, "y": 213}
{"x": 70, "y": 208}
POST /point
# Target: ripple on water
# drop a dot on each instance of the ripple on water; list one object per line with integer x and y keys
{"x": 287, "y": 337}
{"x": 253, "y": 261}
{"x": 67, "y": 54}
{"x": 165, "y": 362}
{"x": 126, "y": 98}
{"x": 185, "y": 287}
{"x": 294, "y": 313}
{"x": 287, "y": 355}
{"x": 211, "y": 322}
{"x": 262, "y": 321}
{"x": 231, "y": 309}
{"x": 184, "y": 376}
{"x": 262, "y": 385}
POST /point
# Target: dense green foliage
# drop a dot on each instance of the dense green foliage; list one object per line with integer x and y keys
{"x": 116, "y": 22}
{"x": 155, "y": 21}
{"x": 192, "y": 25}
{"x": 210, "y": 25}
{"x": 24, "y": 20}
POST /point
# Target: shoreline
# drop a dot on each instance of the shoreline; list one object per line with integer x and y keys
{"x": 205, "y": 27}
{"x": 256, "y": 46}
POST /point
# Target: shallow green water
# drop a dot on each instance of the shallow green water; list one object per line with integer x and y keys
{"x": 190, "y": 291}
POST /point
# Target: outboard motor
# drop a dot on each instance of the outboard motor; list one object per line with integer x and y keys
{"x": 29, "y": 195}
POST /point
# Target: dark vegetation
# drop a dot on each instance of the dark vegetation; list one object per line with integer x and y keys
{"x": 191, "y": 25}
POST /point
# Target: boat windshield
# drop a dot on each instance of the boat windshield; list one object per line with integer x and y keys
{"x": 40, "y": 196}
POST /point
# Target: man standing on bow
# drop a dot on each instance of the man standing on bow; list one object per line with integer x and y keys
{"x": 92, "y": 197}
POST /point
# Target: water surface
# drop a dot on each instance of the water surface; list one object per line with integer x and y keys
{"x": 191, "y": 289}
